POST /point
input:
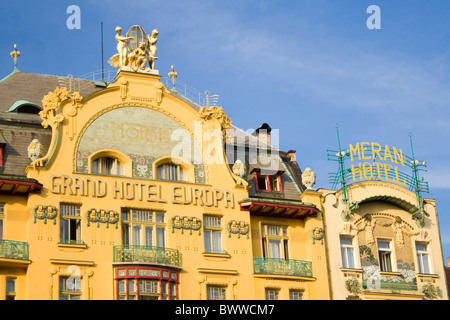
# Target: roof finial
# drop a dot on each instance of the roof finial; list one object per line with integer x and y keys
{"x": 15, "y": 54}
{"x": 173, "y": 75}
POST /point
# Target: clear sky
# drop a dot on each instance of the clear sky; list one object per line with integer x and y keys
{"x": 302, "y": 66}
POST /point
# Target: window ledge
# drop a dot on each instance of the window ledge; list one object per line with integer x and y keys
{"x": 427, "y": 275}
{"x": 217, "y": 255}
{"x": 72, "y": 245}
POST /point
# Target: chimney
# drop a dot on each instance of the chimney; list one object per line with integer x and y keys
{"x": 291, "y": 154}
{"x": 263, "y": 133}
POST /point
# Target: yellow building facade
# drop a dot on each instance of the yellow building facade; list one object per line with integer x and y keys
{"x": 129, "y": 190}
{"x": 137, "y": 201}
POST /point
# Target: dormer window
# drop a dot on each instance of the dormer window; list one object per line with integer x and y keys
{"x": 268, "y": 182}
{"x": 107, "y": 165}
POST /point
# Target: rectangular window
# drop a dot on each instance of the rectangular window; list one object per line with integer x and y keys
{"x": 385, "y": 255}
{"x": 216, "y": 292}
{"x": 10, "y": 289}
{"x": 69, "y": 288}
{"x": 295, "y": 295}
{"x": 148, "y": 289}
{"x": 272, "y": 294}
{"x": 212, "y": 230}
{"x": 275, "y": 241}
{"x": 347, "y": 252}
{"x": 423, "y": 258}
{"x": 143, "y": 228}
{"x": 70, "y": 224}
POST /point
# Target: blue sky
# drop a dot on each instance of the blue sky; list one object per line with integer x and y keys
{"x": 302, "y": 66}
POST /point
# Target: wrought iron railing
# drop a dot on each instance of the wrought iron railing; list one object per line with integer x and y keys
{"x": 373, "y": 278}
{"x": 289, "y": 267}
{"x": 134, "y": 253}
{"x": 14, "y": 249}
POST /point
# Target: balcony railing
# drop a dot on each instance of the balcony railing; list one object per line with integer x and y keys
{"x": 147, "y": 254}
{"x": 288, "y": 267}
{"x": 373, "y": 278}
{"x": 11, "y": 249}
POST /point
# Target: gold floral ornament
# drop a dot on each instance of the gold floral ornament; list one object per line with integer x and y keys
{"x": 50, "y": 117}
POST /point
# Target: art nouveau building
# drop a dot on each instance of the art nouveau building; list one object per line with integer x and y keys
{"x": 123, "y": 190}
{"x": 383, "y": 243}
{"x": 128, "y": 189}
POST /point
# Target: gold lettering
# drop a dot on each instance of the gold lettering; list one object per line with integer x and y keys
{"x": 386, "y": 171}
{"x": 229, "y": 198}
{"x": 376, "y": 151}
{"x": 354, "y": 151}
{"x": 367, "y": 167}
{"x": 387, "y": 153}
{"x": 207, "y": 202}
{"x": 175, "y": 195}
{"x": 197, "y": 196}
{"x": 186, "y": 199}
{"x": 128, "y": 190}
{"x": 399, "y": 156}
{"x": 101, "y": 188}
{"x": 218, "y": 195}
{"x": 158, "y": 195}
{"x": 118, "y": 188}
{"x": 356, "y": 171}
{"x": 55, "y": 187}
{"x": 120, "y": 127}
{"x": 363, "y": 149}
{"x": 150, "y": 193}
{"x": 396, "y": 176}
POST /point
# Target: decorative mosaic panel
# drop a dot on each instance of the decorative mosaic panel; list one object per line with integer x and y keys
{"x": 144, "y": 135}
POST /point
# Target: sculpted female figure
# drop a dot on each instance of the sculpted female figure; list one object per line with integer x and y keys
{"x": 122, "y": 46}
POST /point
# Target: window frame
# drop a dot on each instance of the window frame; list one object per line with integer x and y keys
{"x": 344, "y": 249}
{"x": 182, "y": 166}
{"x": 382, "y": 252}
{"x": 119, "y": 157}
{"x": 282, "y": 237}
{"x": 71, "y": 294}
{"x": 270, "y": 293}
{"x": 128, "y": 226}
{"x": 73, "y": 221}
{"x": 267, "y": 180}
{"x": 419, "y": 254}
{"x": 212, "y": 230}
{"x": 216, "y": 292}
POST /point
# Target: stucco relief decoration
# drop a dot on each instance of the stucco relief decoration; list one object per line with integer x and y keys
{"x": 368, "y": 223}
{"x": 431, "y": 291}
{"x": 353, "y": 286}
{"x": 239, "y": 171}
{"x": 35, "y": 150}
{"x": 102, "y": 216}
{"x": 317, "y": 234}
{"x": 215, "y": 112}
{"x": 238, "y": 227}
{"x": 44, "y": 213}
{"x": 373, "y": 278}
{"x": 51, "y": 118}
{"x": 308, "y": 178}
{"x": 188, "y": 223}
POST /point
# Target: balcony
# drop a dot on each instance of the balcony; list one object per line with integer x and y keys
{"x": 147, "y": 254}
{"x": 287, "y": 267}
{"x": 10, "y": 249}
{"x": 373, "y": 278}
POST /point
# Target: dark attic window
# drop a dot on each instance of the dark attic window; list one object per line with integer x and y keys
{"x": 28, "y": 108}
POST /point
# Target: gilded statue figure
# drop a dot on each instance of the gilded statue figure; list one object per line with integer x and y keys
{"x": 151, "y": 40}
{"x": 120, "y": 58}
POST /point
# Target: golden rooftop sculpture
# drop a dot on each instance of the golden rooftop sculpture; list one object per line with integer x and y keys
{"x": 135, "y": 50}
{"x": 15, "y": 53}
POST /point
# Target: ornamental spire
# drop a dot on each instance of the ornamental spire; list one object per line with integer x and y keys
{"x": 15, "y": 54}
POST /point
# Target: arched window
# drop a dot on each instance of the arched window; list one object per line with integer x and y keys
{"x": 107, "y": 165}
{"x": 170, "y": 171}
{"x": 174, "y": 169}
{"x": 110, "y": 162}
